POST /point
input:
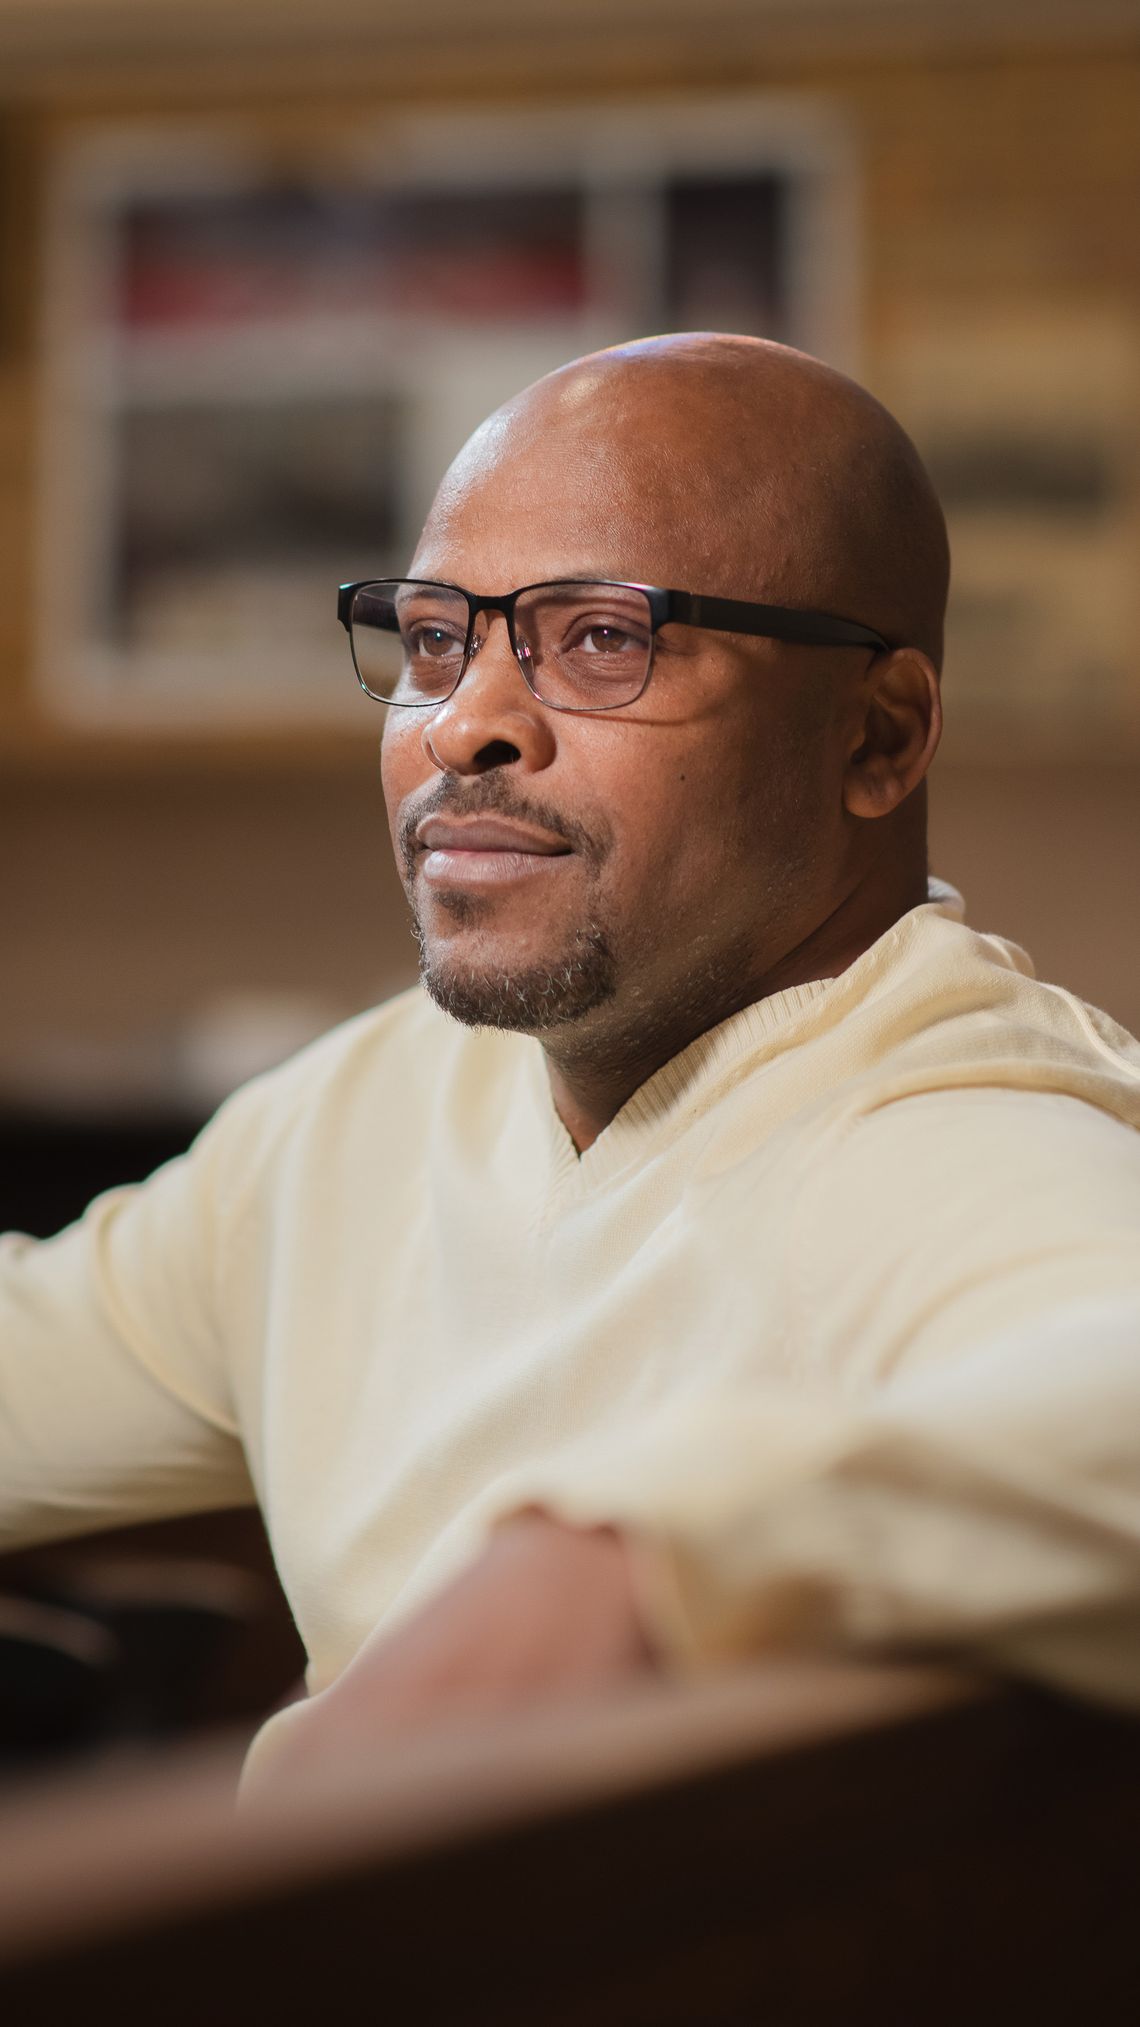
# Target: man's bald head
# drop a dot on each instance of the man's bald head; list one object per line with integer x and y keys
{"x": 771, "y": 476}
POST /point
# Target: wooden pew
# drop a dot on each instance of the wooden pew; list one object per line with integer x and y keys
{"x": 793, "y": 1843}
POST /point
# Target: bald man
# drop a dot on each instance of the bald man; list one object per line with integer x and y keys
{"x": 728, "y": 1247}
{"x": 746, "y": 472}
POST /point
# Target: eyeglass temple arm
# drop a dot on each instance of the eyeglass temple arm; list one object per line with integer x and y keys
{"x": 777, "y": 622}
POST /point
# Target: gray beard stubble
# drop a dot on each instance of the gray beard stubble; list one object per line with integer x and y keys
{"x": 530, "y": 1001}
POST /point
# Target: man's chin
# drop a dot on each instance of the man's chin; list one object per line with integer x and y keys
{"x": 527, "y": 998}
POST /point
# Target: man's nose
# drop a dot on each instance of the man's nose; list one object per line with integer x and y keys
{"x": 492, "y": 719}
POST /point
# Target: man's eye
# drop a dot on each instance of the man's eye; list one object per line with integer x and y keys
{"x": 607, "y": 640}
{"x": 432, "y": 641}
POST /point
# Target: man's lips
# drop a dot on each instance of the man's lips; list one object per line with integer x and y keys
{"x": 484, "y": 849}
{"x": 486, "y": 834}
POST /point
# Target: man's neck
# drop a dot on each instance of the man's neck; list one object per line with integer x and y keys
{"x": 592, "y": 1075}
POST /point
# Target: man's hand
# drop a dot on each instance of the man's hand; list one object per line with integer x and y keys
{"x": 545, "y": 1614}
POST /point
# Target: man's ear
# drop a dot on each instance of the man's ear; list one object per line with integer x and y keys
{"x": 899, "y": 724}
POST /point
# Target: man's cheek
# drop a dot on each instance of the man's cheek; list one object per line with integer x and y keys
{"x": 403, "y": 769}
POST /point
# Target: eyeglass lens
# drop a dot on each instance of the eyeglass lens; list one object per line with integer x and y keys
{"x": 581, "y": 646}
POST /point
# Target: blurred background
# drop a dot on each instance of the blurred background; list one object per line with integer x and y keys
{"x": 263, "y": 265}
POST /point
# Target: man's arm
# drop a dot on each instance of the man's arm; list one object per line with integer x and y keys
{"x": 546, "y": 1613}
{"x": 955, "y": 1469}
{"x": 113, "y": 1398}
{"x": 954, "y": 1460}
{"x": 920, "y": 1524}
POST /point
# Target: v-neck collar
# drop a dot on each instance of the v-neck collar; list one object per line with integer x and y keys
{"x": 687, "y": 1084}
{"x": 682, "y": 1087}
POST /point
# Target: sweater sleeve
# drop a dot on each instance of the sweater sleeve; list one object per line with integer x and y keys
{"x": 956, "y": 1468}
{"x": 114, "y": 1402}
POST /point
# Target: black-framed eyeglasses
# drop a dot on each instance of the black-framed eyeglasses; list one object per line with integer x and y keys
{"x": 581, "y": 644}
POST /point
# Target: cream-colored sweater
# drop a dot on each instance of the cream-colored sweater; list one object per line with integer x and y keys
{"x": 839, "y": 1319}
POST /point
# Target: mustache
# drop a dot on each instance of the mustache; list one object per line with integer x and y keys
{"x": 490, "y": 795}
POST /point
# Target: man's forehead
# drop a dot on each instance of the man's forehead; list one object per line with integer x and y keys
{"x": 561, "y": 446}
{"x": 587, "y": 486}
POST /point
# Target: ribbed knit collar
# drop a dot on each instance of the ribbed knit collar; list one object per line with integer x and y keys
{"x": 686, "y": 1084}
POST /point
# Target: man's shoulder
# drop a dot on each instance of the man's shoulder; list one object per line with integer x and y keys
{"x": 380, "y": 1064}
{"x": 948, "y": 1007}
{"x": 403, "y": 1038}
{"x": 378, "y": 1038}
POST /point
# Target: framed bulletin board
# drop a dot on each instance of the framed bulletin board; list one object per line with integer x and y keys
{"x": 255, "y": 375}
